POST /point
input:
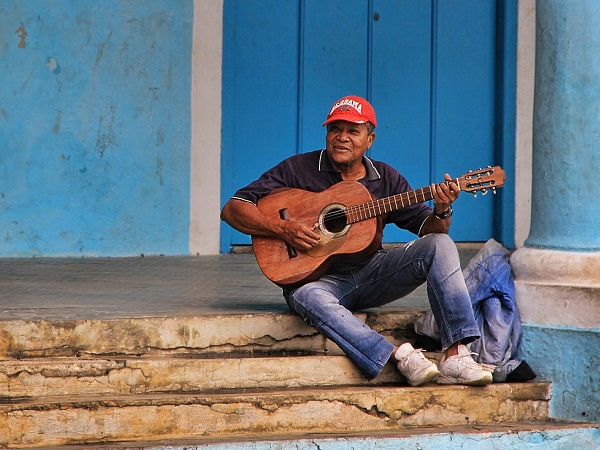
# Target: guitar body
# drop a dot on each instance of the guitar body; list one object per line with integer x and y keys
{"x": 349, "y": 220}
{"x": 288, "y": 267}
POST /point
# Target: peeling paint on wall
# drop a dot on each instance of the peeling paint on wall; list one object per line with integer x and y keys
{"x": 22, "y": 33}
{"x": 53, "y": 66}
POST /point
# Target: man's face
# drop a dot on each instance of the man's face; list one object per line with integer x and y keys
{"x": 347, "y": 142}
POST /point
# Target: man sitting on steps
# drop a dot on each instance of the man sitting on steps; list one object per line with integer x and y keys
{"x": 356, "y": 283}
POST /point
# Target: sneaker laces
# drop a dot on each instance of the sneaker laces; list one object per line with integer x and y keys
{"x": 468, "y": 360}
{"x": 487, "y": 367}
{"x": 419, "y": 357}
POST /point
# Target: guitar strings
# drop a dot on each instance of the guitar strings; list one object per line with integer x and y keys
{"x": 369, "y": 207}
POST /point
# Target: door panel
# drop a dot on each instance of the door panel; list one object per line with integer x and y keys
{"x": 463, "y": 113}
{"x": 333, "y": 63}
{"x": 260, "y": 100}
{"x": 401, "y": 91}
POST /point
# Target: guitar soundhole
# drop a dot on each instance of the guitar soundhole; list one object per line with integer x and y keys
{"x": 335, "y": 221}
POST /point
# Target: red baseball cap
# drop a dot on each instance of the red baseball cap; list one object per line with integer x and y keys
{"x": 352, "y": 109}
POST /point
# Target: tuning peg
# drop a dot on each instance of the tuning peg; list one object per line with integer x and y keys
{"x": 494, "y": 190}
{"x": 484, "y": 191}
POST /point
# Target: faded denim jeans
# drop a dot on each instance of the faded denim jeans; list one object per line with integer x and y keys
{"x": 327, "y": 304}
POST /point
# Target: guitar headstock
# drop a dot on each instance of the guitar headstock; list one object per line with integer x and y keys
{"x": 482, "y": 180}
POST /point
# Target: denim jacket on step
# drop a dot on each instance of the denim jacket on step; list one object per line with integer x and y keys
{"x": 491, "y": 285}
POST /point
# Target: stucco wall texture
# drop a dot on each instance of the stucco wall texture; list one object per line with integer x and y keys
{"x": 95, "y": 127}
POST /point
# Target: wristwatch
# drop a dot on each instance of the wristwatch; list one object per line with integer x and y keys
{"x": 444, "y": 215}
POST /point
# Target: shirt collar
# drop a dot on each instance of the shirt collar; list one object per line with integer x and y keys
{"x": 326, "y": 166}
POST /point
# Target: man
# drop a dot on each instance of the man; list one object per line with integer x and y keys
{"x": 356, "y": 283}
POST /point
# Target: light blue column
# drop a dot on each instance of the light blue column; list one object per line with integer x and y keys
{"x": 557, "y": 273}
{"x": 566, "y": 127}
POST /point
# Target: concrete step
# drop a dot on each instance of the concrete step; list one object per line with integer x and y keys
{"x": 216, "y": 334}
{"x": 249, "y": 413}
{"x": 123, "y": 375}
{"x": 520, "y": 436}
{"x": 226, "y": 378}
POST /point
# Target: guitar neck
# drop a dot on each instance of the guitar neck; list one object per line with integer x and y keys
{"x": 376, "y": 208}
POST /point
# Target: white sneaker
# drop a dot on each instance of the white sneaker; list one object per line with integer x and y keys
{"x": 414, "y": 366}
{"x": 462, "y": 369}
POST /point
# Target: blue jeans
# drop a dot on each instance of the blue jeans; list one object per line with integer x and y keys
{"x": 326, "y": 304}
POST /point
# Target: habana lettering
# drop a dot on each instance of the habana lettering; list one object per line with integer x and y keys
{"x": 347, "y": 102}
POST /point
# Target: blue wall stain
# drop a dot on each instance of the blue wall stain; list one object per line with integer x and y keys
{"x": 95, "y": 127}
{"x": 569, "y": 358}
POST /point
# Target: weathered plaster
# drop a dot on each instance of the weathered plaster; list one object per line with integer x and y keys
{"x": 333, "y": 410}
{"x": 95, "y": 127}
{"x": 569, "y": 358}
{"x": 459, "y": 439}
{"x": 202, "y": 335}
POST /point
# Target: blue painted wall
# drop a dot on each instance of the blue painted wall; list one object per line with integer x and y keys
{"x": 569, "y": 358}
{"x": 94, "y": 127}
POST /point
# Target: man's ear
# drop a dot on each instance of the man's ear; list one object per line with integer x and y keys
{"x": 371, "y": 139}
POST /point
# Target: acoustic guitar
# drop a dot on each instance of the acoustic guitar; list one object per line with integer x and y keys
{"x": 349, "y": 220}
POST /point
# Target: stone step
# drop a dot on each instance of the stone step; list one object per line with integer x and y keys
{"x": 225, "y": 378}
{"x": 519, "y": 436}
{"x": 123, "y": 375}
{"x": 51, "y": 421}
{"x": 216, "y": 334}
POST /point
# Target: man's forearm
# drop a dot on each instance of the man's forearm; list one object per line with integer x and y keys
{"x": 434, "y": 224}
{"x": 246, "y": 218}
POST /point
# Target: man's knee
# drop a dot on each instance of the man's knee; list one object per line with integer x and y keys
{"x": 439, "y": 242}
{"x": 306, "y": 297}
{"x": 439, "y": 239}
{"x": 442, "y": 249}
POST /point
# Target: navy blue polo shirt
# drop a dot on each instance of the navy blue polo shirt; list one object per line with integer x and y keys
{"x": 314, "y": 172}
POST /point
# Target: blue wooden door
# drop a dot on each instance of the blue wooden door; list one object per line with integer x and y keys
{"x": 433, "y": 87}
{"x": 428, "y": 67}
